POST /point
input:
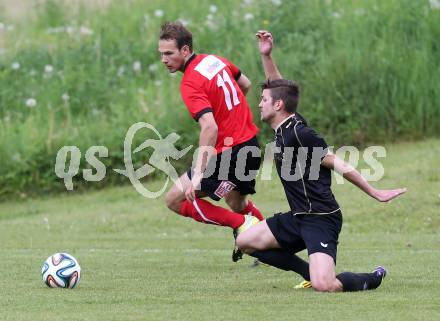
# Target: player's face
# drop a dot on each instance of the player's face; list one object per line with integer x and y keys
{"x": 171, "y": 56}
{"x": 267, "y": 106}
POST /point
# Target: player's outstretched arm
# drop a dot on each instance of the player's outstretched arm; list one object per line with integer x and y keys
{"x": 265, "y": 45}
{"x": 353, "y": 176}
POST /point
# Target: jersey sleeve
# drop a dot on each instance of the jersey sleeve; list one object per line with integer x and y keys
{"x": 236, "y": 73}
{"x": 308, "y": 138}
{"x": 195, "y": 99}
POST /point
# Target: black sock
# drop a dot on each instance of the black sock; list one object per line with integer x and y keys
{"x": 359, "y": 281}
{"x": 284, "y": 260}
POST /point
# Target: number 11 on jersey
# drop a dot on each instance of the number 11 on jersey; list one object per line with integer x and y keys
{"x": 221, "y": 82}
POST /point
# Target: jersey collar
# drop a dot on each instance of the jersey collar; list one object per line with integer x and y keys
{"x": 284, "y": 121}
{"x": 193, "y": 56}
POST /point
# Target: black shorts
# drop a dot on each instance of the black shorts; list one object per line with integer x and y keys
{"x": 316, "y": 233}
{"x": 219, "y": 178}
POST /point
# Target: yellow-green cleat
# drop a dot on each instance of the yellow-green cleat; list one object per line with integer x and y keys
{"x": 249, "y": 221}
{"x": 303, "y": 285}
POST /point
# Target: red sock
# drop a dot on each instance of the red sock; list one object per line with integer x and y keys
{"x": 205, "y": 212}
{"x": 250, "y": 208}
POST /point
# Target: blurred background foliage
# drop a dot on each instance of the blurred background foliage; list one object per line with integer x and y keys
{"x": 81, "y": 73}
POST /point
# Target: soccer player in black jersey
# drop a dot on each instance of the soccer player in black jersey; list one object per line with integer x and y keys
{"x": 304, "y": 164}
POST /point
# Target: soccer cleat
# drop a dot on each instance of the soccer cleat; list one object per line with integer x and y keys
{"x": 380, "y": 272}
{"x": 303, "y": 285}
{"x": 237, "y": 254}
{"x": 249, "y": 221}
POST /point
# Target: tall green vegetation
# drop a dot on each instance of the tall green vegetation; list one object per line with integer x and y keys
{"x": 368, "y": 70}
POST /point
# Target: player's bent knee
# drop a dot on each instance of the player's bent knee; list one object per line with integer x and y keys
{"x": 323, "y": 286}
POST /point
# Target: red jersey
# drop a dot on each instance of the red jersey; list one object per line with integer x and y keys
{"x": 209, "y": 85}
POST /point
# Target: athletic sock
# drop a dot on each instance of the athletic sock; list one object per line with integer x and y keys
{"x": 205, "y": 212}
{"x": 250, "y": 208}
{"x": 359, "y": 281}
{"x": 284, "y": 260}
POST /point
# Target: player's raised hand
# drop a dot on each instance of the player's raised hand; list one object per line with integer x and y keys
{"x": 190, "y": 192}
{"x": 385, "y": 195}
{"x": 265, "y": 42}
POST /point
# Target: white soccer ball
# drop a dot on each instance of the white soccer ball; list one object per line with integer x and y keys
{"x": 61, "y": 270}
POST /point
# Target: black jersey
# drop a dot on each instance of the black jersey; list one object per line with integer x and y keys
{"x": 298, "y": 155}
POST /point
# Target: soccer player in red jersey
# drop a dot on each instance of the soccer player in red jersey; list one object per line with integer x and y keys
{"x": 213, "y": 89}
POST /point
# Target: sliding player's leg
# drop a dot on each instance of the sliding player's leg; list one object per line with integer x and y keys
{"x": 273, "y": 246}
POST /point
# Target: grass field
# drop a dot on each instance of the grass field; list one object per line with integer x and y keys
{"x": 141, "y": 262}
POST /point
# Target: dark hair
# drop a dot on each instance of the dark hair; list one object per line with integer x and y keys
{"x": 176, "y": 31}
{"x": 285, "y": 90}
